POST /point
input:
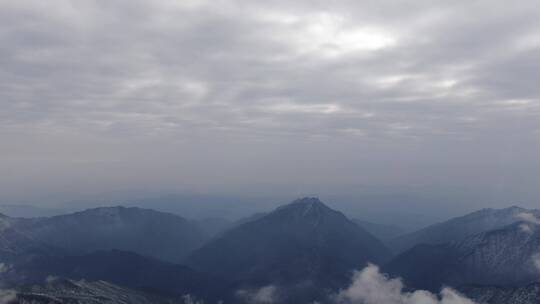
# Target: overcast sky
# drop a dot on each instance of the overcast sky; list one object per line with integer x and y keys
{"x": 270, "y": 96}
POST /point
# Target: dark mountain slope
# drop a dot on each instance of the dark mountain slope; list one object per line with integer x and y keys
{"x": 529, "y": 294}
{"x": 503, "y": 256}
{"x": 459, "y": 228}
{"x": 304, "y": 243}
{"x": 147, "y": 232}
{"x": 61, "y": 291}
{"x": 120, "y": 268}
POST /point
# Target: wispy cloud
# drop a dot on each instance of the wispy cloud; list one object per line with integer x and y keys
{"x": 124, "y": 84}
{"x": 530, "y": 222}
{"x": 7, "y": 296}
{"x": 4, "y": 267}
{"x": 189, "y": 299}
{"x": 536, "y": 260}
{"x": 264, "y": 295}
{"x": 529, "y": 218}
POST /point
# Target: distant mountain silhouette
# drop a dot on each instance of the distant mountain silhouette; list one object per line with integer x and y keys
{"x": 459, "y": 228}
{"x": 213, "y": 226}
{"x": 304, "y": 243}
{"x": 144, "y": 231}
{"x": 381, "y": 231}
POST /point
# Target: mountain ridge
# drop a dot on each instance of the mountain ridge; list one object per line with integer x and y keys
{"x": 124, "y": 228}
{"x": 502, "y": 256}
{"x": 458, "y": 228}
{"x": 304, "y": 243}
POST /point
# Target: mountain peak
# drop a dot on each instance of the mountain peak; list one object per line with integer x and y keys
{"x": 308, "y": 201}
{"x": 306, "y": 207}
{"x": 299, "y": 242}
{"x": 122, "y": 211}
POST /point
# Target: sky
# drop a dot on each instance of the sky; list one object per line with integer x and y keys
{"x": 436, "y": 99}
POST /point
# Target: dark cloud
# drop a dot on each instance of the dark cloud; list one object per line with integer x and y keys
{"x": 196, "y": 94}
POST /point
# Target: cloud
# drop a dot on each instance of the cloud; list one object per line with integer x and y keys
{"x": 51, "y": 279}
{"x": 529, "y": 218}
{"x": 189, "y": 299}
{"x": 530, "y": 222}
{"x": 526, "y": 228}
{"x": 264, "y": 295}
{"x": 7, "y": 295}
{"x": 4, "y": 268}
{"x": 536, "y": 261}
{"x": 104, "y": 89}
{"x": 369, "y": 286}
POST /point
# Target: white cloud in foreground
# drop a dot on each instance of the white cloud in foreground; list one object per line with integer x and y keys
{"x": 529, "y": 218}
{"x": 7, "y": 295}
{"x": 369, "y": 286}
{"x": 536, "y": 260}
{"x": 189, "y": 299}
{"x": 4, "y": 267}
{"x": 530, "y": 221}
{"x": 263, "y": 295}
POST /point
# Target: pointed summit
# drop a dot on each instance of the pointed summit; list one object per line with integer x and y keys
{"x": 458, "y": 228}
{"x": 304, "y": 241}
{"x": 307, "y": 207}
{"x": 308, "y": 201}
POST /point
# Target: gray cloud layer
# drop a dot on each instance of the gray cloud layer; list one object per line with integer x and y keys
{"x": 197, "y": 94}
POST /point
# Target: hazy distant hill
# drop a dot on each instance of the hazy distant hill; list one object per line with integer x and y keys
{"x": 303, "y": 243}
{"x": 381, "y": 231}
{"x": 28, "y": 211}
{"x": 212, "y": 226}
{"x": 459, "y": 228}
{"x": 144, "y": 231}
{"x": 503, "y": 256}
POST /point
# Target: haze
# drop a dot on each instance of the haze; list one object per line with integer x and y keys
{"x": 433, "y": 106}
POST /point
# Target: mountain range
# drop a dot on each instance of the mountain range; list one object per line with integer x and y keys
{"x": 144, "y": 231}
{"x": 504, "y": 256}
{"x": 301, "y": 252}
{"x": 458, "y": 228}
